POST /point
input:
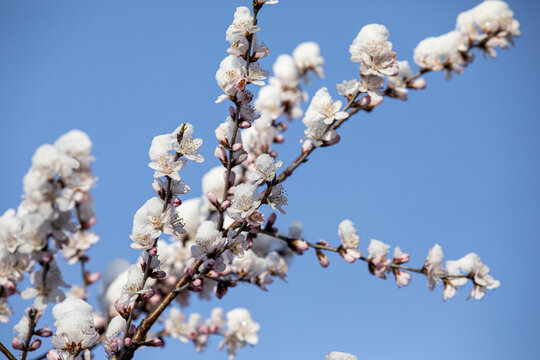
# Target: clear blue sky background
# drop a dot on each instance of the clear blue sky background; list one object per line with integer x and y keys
{"x": 458, "y": 164}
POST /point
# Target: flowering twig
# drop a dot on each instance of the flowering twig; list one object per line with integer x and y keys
{"x": 32, "y": 314}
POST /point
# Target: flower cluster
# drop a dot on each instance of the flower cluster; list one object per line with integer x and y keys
{"x": 56, "y": 189}
{"x": 489, "y": 25}
{"x": 75, "y": 332}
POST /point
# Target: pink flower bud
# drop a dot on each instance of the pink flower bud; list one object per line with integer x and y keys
{"x": 197, "y": 282}
{"x": 152, "y": 252}
{"x": 214, "y": 328}
{"x": 171, "y": 280}
{"x": 402, "y": 259}
{"x": 148, "y": 294}
{"x": 271, "y": 219}
{"x": 99, "y": 321}
{"x": 212, "y": 198}
{"x": 120, "y": 308}
{"x": 17, "y": 344}
{"x": 221, "y": 154}
{"x": 160, "y": 274}
{"x": 175, "y": 201}
{"x": 300, "y": 245}
{"x": 35, "y": 345}
{"x": 245, "y": 97}
{"x": 221, "y": 136}
{"x": 212, "y": 274}
{"x": 92, "y": 277}
{"x": 363, "y": 102}
{"x": 156, "y": 185}
{"x": 418, "y": 84}
{"x": 225, "y": 205}
{"x": 227, "y": 271}
{"x": 128, "y": 341}
{"x": 232, "y": 177}
{"x": 348, "y": 257}
{"x": 237, "y": 147}
{"x": 188, "y": 271}
{"x": 232, "y": 112}
{"x": 44, "y": 332}
{"x": 221, "y": 289}
{"x": 332, "y": 141}
{"x": 90, "y": 222}
{"x": 244, "y": 125}
{"x": 279, "y": 138}
{"x": 323, "y": 259}
{"x": 306, "y": 146}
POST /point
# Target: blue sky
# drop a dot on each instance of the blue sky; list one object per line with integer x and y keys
{"x": 458, "y": 164}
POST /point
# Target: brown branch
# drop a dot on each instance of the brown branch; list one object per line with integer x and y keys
{"x": 6, "y": 352}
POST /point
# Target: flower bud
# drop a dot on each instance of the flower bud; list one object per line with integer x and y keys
{"x": 17, "y": 344}
{"x": 237, "y": 147}
{"x": 417, "y": 84}
{"x": 279, "y": 138}
{"x": 156, "y": 185}
{"x": 221, "y": 154}
{"x": 323, "y": 259}
{"x": 222, "y": 136}
{"x": 244, "y": 125}
{"x": 148, "y": 294}
{"x": 232, "y": 112}
{"x": 188, "y": 272}
{"x": 306, "y": 146}
{"x": 212, "y": 274}
{"x": 92, "y": 277}
{"x": 35, "y": 345}
{"x": 212, "y": 198}
{"x": 175, "y": 201}
{"x": 225, "y": 205}
{"x": 128, "y": 341}
{"x": 47, "y": 257}
{"x": 53, "y": 355}
{"x": 44, "y": 332}
{"x": 209, "y": 264}
{"x": 160, "y": 274}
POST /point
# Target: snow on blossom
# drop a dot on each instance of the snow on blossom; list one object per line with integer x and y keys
{"x": 442, "y": 52}
{"x": 286, "y": 71}
{"x": 492, "y": 18}
{"x": 323, "y": 107}
{"x": 48, "y": 160}
{"x": 336, "y": 355}
{"x": 307, "y": 56}
{"x": 77, "y": 144}
{"x": 242, "y": 24}
{"x": 75, "y": 331}
{"x": 244, "y": 204}
{"x": 433, "y": 266}
{"x": 241, "y": 331}
{"x": 265, "y": 169}
{"x": 150, "y": 221}
{"x": 208, "y": 240}
{"x": 112, "y": 341}
{"x": 378, "y": 263}
{"x": 373, "y": 51}
{"x": 349, "y": 241}
{"x": 402, "y": 277}
{"x": 398, "y": 83}
{"x": 471, "y": 264}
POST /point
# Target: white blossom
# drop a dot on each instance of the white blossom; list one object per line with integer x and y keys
{"x": 433, "y": 266}
{"x": 278, "y": 198}
{"x": 349, "y": 240}
{"x": 241, "y": 330}
{"x": 373, "y": 51}
{"x": 265, "y": 169}
{"x": 244, "y": 203}
{"x": 188, "y": 147}
{"x": 242, "y": 24}
{"x": 307, "y": 56}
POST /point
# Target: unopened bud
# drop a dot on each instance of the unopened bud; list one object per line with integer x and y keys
{"x": 232, "y": 177}
{"x": 152, "y": 251}
{"x": 35, "y": 345}
{"x": 148, "y": 294}
{"x": 212, "y": 274}
{"x": 53, "y": 355}
{"x": 160, "y": 274}
{"x": 156, "y": 185}
{"x": 221, "y": 289}
{"x": 232, "y": 112}
{"x": 17, "y": 344}
{"x": 128, "y": 341}
{"x": 279, "y": 138}
{"x": 44, "y": 332}
{"x": 188, "y": 272}
{"x": 221, "y": 154}
{"x": 306, "y": 146}
{"x": 221, "y": 136}
{"x": 363, "y": 101}
{"x": 175, "y": 201}
{"x": 244, "y": 125}
{"x": 92, "y": 277}
{"x": 300, "y": 246}
{"x": 212, "y": 198}
{"x": 9, "y": 288}
{"x": 323, "y": 259}
{"x": 237, "y": 147}
{"x": 417, "y": 84}
{"x": 225, "y": 205}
